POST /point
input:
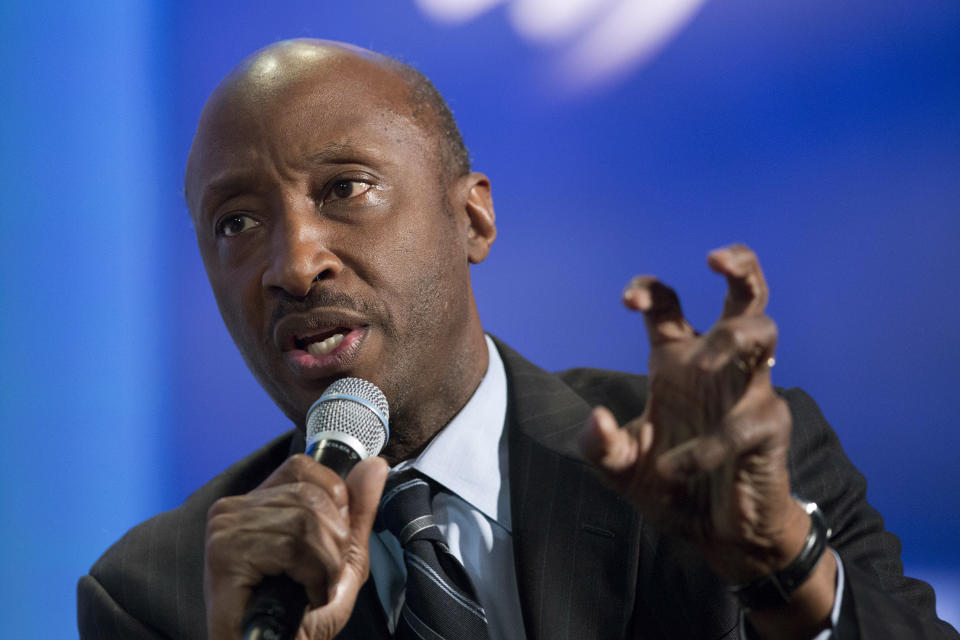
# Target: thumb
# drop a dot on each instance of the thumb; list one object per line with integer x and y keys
{"x": 365, "y": 486}
{"x": 606, "y": 445}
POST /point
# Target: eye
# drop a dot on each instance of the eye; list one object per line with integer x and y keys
{"x": 235, "y": 224}
{"x": 346, "y": 188}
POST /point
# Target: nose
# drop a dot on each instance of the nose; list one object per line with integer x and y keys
{"x": 300, "y": 255}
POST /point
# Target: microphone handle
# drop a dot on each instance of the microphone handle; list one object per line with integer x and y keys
{"x": 275, "y": 610}
{"x": 335, "y": 455}
{"x": 278, "y": 603}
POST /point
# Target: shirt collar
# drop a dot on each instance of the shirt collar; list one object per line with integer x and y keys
{"x": 469, "y": 455}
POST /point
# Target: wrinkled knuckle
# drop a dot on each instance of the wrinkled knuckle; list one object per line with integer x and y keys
{"x": 222, "y": 506}
{"x": 217, "y": 545}
{"x": 311, "y": 499}
{"x": 703, "y": 365}
{"x": 743, "y": 342}
{"x": 219, "y": 522}
{"x": 307, "y": 495}
{"x": 301, "y": 523}
{"x": 737, "y": 439}
{"x": 299, "y": 465}
{"x": 338, "y": 492}
{"x": 737, "y": 337}
{"x": 723, "y": 336}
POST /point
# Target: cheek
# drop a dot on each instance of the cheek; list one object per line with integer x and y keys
{"x": 235, "y": 309}
{"x": 236, "y": 288}
{"x": 418, "y": 251}
{"x": 435, "y": 277}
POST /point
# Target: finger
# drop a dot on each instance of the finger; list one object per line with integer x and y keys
{"x": 727, "y": 362}
{"x": 365, "y": 485}
{"x": 747, "y": 292}
{"x": 300, "y": 509}
{"x": 303, "y": 468}
{"x": 290, "y": 508}
{"x": 286, "y": 535}
{"x": 612, "y": 449}
{"x": 239, "y": 556}
{"x": 661, "y": 309}
{"x": 315, "y": 561}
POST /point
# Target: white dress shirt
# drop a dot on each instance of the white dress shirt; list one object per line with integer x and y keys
{"x": 469, "y": 458}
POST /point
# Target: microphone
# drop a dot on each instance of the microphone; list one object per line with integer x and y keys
{"x": 347, "y": 424}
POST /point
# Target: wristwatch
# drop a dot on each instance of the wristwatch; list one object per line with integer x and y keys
{"x": 774, "y": 590}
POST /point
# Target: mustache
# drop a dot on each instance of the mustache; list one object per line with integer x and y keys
{"x": 319, "y": 298}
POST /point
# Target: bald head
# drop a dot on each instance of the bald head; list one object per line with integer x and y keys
{"x": 330, "y": 197}
{"x": 258, "y": 82}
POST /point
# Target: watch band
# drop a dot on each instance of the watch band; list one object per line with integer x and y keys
{"x": 774, "y": 590}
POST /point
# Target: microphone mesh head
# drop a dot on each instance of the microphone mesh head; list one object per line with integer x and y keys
{"x": 353, "y": 407}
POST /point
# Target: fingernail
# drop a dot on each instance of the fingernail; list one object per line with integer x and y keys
{"x": 638, "y": 299}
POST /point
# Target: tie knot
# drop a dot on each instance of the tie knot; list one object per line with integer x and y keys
{"x": 405, "y": 508}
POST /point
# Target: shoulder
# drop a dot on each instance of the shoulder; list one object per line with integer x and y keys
{"x": 625, "y": 394}
{"x": 155, "y": 571}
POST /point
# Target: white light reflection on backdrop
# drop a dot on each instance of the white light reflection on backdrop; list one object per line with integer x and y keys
{"x": 596, "y": 41}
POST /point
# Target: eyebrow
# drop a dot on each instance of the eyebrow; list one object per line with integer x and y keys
{"x": 339, "y": 153}
{"x": 222, "y": 187}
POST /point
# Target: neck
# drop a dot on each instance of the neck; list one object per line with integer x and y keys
{"x": 415, "y": 423}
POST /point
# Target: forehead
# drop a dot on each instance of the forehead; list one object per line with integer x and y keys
{"x": 291, "y": 106}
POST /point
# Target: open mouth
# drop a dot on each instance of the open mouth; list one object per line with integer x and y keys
{"x": 321, "y": 343}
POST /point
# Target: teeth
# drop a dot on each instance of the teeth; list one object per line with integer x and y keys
{"x": 324, "y": 347}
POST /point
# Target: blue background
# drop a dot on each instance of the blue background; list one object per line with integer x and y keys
{"x": 825, "y": 135}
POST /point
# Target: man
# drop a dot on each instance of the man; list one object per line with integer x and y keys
{"x": 337, "y": 217}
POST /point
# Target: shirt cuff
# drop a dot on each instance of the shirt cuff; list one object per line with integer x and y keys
{"x": 826, "y": 634}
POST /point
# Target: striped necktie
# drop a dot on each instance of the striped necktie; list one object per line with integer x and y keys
{"x": 440, "y": 602}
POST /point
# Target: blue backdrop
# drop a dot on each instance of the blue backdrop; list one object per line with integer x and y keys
{"x": 825, "y": 135}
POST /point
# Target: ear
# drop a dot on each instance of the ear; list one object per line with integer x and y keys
{"x": 479, "y": 209}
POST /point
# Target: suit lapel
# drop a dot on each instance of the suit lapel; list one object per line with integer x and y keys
{"x": 576, "y": 544}
{"x": 587, "y": 567}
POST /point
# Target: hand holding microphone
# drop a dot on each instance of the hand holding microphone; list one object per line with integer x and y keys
{"x": 305, "y": 523}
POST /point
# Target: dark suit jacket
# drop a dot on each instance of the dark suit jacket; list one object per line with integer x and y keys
{"x": 587, "y": 565}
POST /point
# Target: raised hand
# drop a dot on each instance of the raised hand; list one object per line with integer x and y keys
{"x": 707, "y": 459}
{"x": 302, "y": 521}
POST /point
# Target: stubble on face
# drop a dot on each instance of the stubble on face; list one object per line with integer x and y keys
{"x": 428, "y": 351}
